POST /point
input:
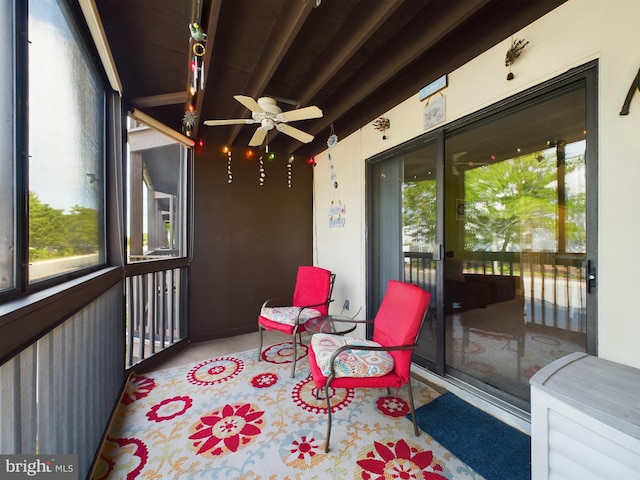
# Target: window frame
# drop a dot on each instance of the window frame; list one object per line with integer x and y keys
{"x": 22, "y": 286}
{"x": 586, "y": 74}
{"x": 185, "y": 146}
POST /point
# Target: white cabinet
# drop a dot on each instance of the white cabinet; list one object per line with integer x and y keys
{"x": 585, "y": 420}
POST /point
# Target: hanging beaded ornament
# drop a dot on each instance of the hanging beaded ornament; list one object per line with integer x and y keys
{"x": 261, "y": 171}
{"x": 336, "y": 192}
{"x": 289, "y": 175}
{"x": 333, "y": 138}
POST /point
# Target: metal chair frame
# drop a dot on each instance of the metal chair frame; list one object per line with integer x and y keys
{"x": 298, "y": 327}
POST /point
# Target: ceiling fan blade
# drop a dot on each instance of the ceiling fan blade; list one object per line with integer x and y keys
{"x": 233, "y": 121}
{"x": 258, "y": 137}
{"x": 300, "y": 114}
{"x": 249, "y": 102}
{"x": 299, "y": 135}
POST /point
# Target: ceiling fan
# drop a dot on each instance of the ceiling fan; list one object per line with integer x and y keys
{"x": 268, "y": 114}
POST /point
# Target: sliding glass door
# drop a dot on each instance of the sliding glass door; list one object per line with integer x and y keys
{"x": 497, "y": 217}
{"x": 405, "y": 230}
{"x": 516, "y": 257}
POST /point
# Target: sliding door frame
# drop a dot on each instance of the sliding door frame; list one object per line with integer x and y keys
{"x": 586, "y": 74}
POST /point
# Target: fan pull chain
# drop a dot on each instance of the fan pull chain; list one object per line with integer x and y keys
{"x": 229, "y": 173}
{"x": 289, "y": 173}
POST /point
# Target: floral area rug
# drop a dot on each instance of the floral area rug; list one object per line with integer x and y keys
{"x": 233, "y": 417}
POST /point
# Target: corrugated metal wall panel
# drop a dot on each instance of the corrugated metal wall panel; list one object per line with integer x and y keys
{"x": 56, "y": 397}
{"x": 18, "y": 403}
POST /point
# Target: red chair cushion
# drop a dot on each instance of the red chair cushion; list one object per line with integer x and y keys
{"x": 391, "y": 380}
{"x": 289, "y": 315}
{"x": 281, "y": 327}
{"x": 399, "y": 319}
{"x": 397, "y": 323}
{"x": 350, "y": 363}
{"x": 313, "y": 286}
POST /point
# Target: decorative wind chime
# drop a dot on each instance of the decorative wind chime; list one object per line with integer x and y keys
{"x": 197, "y": 40}
{"x": 261, "y": 165}
{"x": 289, "y": 175}
{"x": 513, "y": 53}
{"x": 271, "y": 156}
{"x": 382, "y": 124}
{"x": 337, "y": 210}
{"x": 261, "y": 174}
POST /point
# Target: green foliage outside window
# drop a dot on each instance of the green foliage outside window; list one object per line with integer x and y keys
{"x": 419, "y": 209}
{"x": 508, "y": 205}
{"x": 56, "y": 234}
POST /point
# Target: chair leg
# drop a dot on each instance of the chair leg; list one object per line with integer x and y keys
{"x": 413, "y": 410}
{"x": 326, "y": 395}
{"x": 260, "y": 349}
{"x": 295, "y": 355}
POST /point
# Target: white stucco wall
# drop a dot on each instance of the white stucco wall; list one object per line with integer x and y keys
{"x": 571, "y": 35}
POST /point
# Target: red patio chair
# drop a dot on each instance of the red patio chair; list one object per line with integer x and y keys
{"x": 345, "y": 362}
{"x": 310, "y": 299}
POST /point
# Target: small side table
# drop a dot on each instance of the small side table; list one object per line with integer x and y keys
{"x": 334, "y": 324}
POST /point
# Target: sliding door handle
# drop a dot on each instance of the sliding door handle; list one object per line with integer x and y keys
{"x": 436, "y": 249}
{"x": 591, "y": 276}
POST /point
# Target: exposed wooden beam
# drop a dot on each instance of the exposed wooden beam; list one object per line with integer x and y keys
{"x": 160, "y": 100}
{"x": 152, "y": 122}
{"x": 390, "y": 61}
{"x": 505, "y": 16}
{"x": 335, "y": 57}
{"x": 94, "y": 22}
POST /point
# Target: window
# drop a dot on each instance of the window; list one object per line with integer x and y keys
{"x": 156, "y": 184}
{"x": 66, "y": 146}
{"x": 7, "y": 142}
{"x": 156, "y": 226}
{"x": 516, "y": 237}
{"x": 52, "y": 147}
{"x": 522, "y": 179}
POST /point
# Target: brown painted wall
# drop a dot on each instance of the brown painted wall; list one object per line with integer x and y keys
{"x": 249, "y": 239}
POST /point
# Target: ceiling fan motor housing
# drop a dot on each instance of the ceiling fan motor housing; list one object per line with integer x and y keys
{"x": 267, "y": 123}
{"x": 270, "y": 107}
{"x": 268, "y": 117}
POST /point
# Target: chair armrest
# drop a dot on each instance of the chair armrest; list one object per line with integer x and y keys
{"x": 287, "y": 302}
{"x": 359, "y": 322}
{"x": 278, "y": 302}
{"x": 302, "y": 307}
{"x": 344, "y": 348}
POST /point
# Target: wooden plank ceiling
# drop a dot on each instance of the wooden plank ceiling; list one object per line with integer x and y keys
{"x": 352, "y": 58}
